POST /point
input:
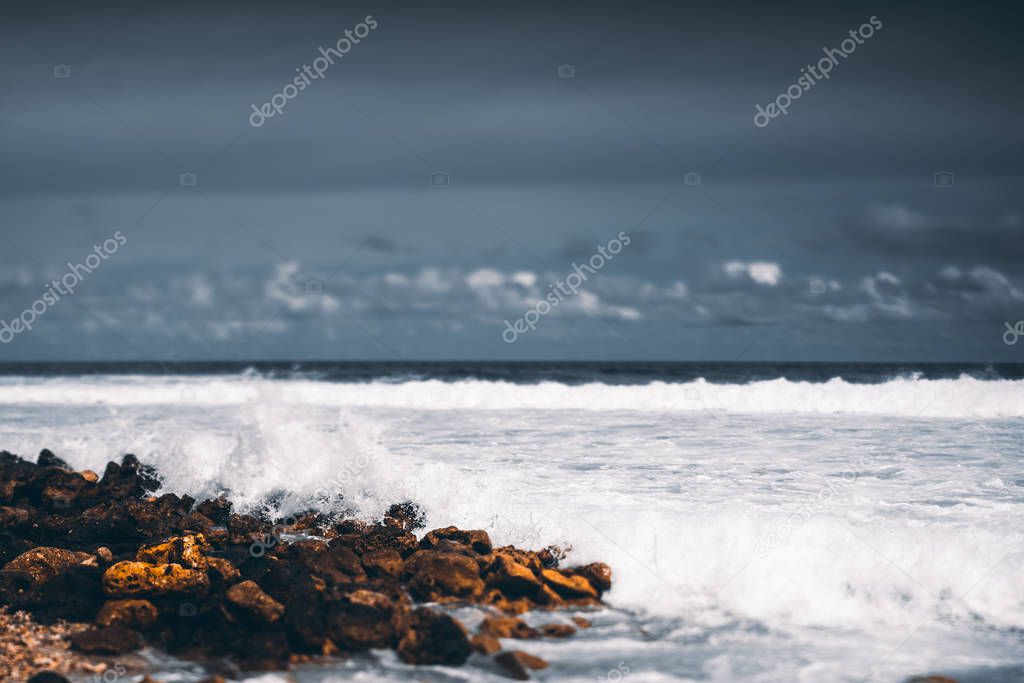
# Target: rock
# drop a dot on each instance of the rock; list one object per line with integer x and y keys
{"x": 549, "y": 598}
{"x": 362, "y": 618}
{"x": 188, "y": 551}
{"x": 507, "y": 627}
{"x": 217, "y": 510}
{"x": 383, "y": 563}
{"x": 222, "y": 569}
{"x": 89, "y": 476}
{"x": 106, "y": 640}
{"x": 568, "y": 585}
{"x": 581, "y": 622}
{"x": 334, "y": 563}
{"x": 434, "y": 638}
{"x": 435, "y": 576}
{"x": 133, "y": 578}
{"x": 48, "y": 677}
{"x": 485, "y": 644}
{"x": 251, "y": 599}
{"x": 43, "y": 564}
{"x": 551, "y": 556}
{"x": 363, "y": 538}
{"x": 104, "y": 556}
{"x": 517, "y": 664}
{"x": 138, "y": 614}
{"x": 406, "y": 516}
{"x": 511, "y": 578}
{"x": 48, "y": 459}
{"x": 557, "y": 630}
{"x": 598, "y": 573}
{"x": 496, "y": 599}
{"x": 478, "y": 540}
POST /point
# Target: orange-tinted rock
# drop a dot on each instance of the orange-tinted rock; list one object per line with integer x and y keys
{"x": 382, "y": 563}
{"x": 598, "y": 573}
{"x": 90, "y": 476}
{"x": 136, "y": 614}
{"x": 581, "y": 622}
{"x": 485, "y": 644}
{"x": 434, "y": 638}
{"x": 222, "y": 569}
{"x": 476, "y": 539}
{"x": 130, "y": 579}
{"x": 517, "y": 664}
{"x": 498, "y": 601}
{"x": 557, "y": 630}
{"x": 549, "y": 599}
{"x": 507, "y": 627}
{"x": 511, "y": 578}
{"x": 434, "y": 576}
{"x": 568, "y": 585}
{"x": 43, "y": 564}
{"x": 250, "y": 599}
{"x": 188, "y": 551}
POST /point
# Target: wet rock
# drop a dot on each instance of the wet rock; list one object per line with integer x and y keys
{"x": 43, "y": 564}
{"x": 89, "y": 476}
{"x": 363, "y": 618}
{"x": 598, "y": 573}
{"x": 568, "y": 585}
{"x": 485, "y": 644}
{"x": 48, "y": 459}
{"x": 434, "y": 638}
{"x": 556, "y": 630}
{"x": 217, "y": 510}
{"x": 334, "y": 563}
{"x": 106, "y": 640}
{"x": 385, "y": 563}
{"x": 551, "y": 556}
{"x": 364, "y": 538}
{"x": 435, "y": 576}
{"x": 188, "y": 551}
{"x": 511, "y": 578}
{"x": 135, "y": 614}
{"x": 406, "y": 516}
{"x": 507, "y": 627}
{"x": 251, "y": 599}
{"x": 581, "y": 622}
{"x": 478, "y": 540}
{"x": 517, "y": 664}
{"x": 133, "y": 578}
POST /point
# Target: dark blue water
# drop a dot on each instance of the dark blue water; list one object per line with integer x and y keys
{"x": 534, "y": 372}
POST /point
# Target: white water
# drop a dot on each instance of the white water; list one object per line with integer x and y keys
{"x": 774, "y": 531}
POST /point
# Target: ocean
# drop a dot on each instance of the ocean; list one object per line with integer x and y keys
{"x": 764, "y": 522}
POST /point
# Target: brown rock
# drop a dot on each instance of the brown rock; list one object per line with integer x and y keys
{"x": 485, "y": 644}
{"x": 557, "y": 630}
{"x": 434, "y": 576}
{"x": 511, "y": 578}
{"x": 130, "y": 579}
{"x": 106, "y": 640}
{"x": 549, "y": 598}
{"x": 218, "y": 567}
{"x": 251, "y": 599}
{"x": 507, "y": 627}
{"x": 104, "y": 555}
{"x": 476, "y": 539}
{"x": 382, "y": 563}
{"x": 43, "y": 564}
{"x": 188, "y": 551}
{"x": 90, "y": 476}
{"x": 140, "y": 614}
{"x": 581, "y": 622}
{"x": 434, "y": 638}
{"x": 498, "y": 601}
{"x": 334, "y": 563}
{"x": 517, "y": 664}
{"x": 598, "y": 573}
{"x": 406, "y": 516}
{"x": 568, "y": 585}
{"x": 363, "y": 619}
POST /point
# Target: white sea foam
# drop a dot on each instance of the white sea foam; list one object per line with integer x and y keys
{"x": 902, "y": 397}
{"x": 928, "y": 532}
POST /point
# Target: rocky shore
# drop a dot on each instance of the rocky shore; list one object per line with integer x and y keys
{"x": 95, "y": 567}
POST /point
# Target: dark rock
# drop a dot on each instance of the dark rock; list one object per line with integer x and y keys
{"x": 598, "y": 573}
{"x": 48, "y": 459}
{"x": 407, "y": 516}
{"x": 250, "y": 599}
{"x": 362, "y": 618}
{"x": 478, "y": 540}
{"x": 556, "y": 630}
{"x": 434, "y": 638}
{"x": 48, "y": 677}
{"x": 138, "y": 614}
{"x": 43, "y": 564}
{"x": 433, "y": 576}
{"x": 516, "y": 664}
{"x": 106, "y": 640}
{"x": 485, "y": 644}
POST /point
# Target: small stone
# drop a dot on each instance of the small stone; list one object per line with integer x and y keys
{"x": 557, "y": 630}
{"x": 581, "y": 622}
{"x": 131, "y": 613}
{"x": 517, "y": 664}
{"x": 567, "y": 585}
{"x": 188, "y": 551}
{"x": 90, "y": 476}
{"x": 507, "y": 627}
{"x": 104, "y": 555}
{"x": 598, "y": 573}
{"x": 223, "y": 569}
{"x": 106, "y": 640}
{"x": 485, "y": 644}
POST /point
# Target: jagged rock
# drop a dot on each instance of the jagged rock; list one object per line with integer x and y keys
{"x": 507, "y": 627}
{"x": 485, "y": 644}
{"x": 43, "y": 564}
{"x": 435, "y": 576}
{"x": 48, "y": 459}
{"x": 568, "y": 585}
{"x": 511, "y": 578}
{"x": 188, "y": 551}
{"x": 476, "y": 539}
{"x": 556, "y": 630}
{"x": 364, "y": 538}
{"x": 136, "y": 614}
{"x": 133, "y": 578}
{"x": 406, "y": 516}
{"x": 363, "y": 618}
{"x": 598, "y": 573}
{"x": 517, "y": 664}
{"x": 251, "y": 599}
{"x": 383, "y": 563}
{"x": 106, "y": 640}
{"x": 335, "y": 563}
{"x": 222, "y": 569}
{"x": 104, "y": 556}
{"x": 434, "y": 638}
{"x": 217, "y": 510}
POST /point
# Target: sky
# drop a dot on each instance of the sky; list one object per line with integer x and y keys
{"x": 453, "y": 164}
